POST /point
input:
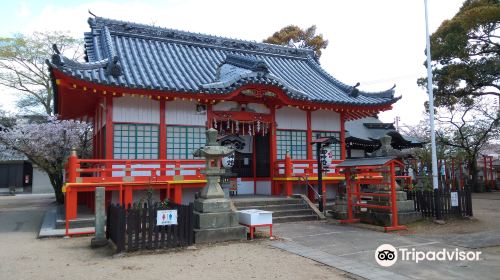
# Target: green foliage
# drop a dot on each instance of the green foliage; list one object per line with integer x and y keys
{"x": 466, "y": 54}
{"x": 293, "y": 35}
{"x": 24, "y": 71}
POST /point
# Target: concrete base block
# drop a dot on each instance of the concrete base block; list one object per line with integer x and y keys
{"x": 220, "y": 234}
{"x": 213, "y": 205}
{"x": 385, "y": 219}
{"x": 98, "y": 242}
{"x": 400, "y": 196}
{"x": 215, "y": 220}
{"x": 403, "y": 206}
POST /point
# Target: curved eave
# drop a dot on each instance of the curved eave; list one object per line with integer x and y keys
{"x": 217, "y": 93}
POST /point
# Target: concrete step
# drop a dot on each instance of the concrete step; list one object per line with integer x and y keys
{"x": 77, "y": 223}
{"x": 295, "y": 218}
{"x": 273, "y": 207}
{"x": 264, "y": 202}
{"x": 292, "y": 212}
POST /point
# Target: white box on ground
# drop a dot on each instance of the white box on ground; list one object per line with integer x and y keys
{"x": 255, "y": 217}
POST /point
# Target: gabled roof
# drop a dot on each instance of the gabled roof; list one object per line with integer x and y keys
{"x": 139, "y": 56}
{"x": 371, "y": 129}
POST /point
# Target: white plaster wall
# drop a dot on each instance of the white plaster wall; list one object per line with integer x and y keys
{"x": 136, "y": 110}
{"x": 245, "y": 187}
{"x": 41, "y": 182}
{"x": 357, "y": 153}
{"x": 291, "y": 118}
{"x": 263, "y": 187}
{"x": 259, "y": 108}
{"x": 181, "y": 112}
{"x": 299, "y": 189}
{"x": 224, "y": 106}
{"x": 331, "y": 191}
{"x": 325, "y": 120}
{"x": 188, "y": 195}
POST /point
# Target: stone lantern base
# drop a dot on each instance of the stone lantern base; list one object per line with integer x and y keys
{"x": 214, "y": 221}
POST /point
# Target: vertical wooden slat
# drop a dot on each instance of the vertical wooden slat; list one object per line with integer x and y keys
{"x": 191, "y": 223}
{"x": 150, "y": 226}
{"x": 144, "y": 219}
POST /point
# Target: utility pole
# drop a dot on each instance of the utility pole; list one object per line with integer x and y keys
{"x": 431, "y": 111}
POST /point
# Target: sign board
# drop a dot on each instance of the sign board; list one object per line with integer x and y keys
{"x": 166, "y": 217}
{"x": 454, "y": 199}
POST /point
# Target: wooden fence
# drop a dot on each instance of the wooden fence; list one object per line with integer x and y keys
{"x": 425, "y": 202}
{"x": 135, "y": 228}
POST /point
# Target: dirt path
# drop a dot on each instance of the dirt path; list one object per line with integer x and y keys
{"x": 25, "y": 257}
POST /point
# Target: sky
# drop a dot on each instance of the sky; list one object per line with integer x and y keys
{"x": 376, "y": 43}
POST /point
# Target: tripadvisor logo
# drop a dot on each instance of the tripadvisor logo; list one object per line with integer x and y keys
{"x": 387, "y": 255}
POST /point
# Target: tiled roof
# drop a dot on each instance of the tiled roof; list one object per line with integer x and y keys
{"x": 365, "y": 161}
{"x": 372, "y": 129}
{"x": 146, "y": 57}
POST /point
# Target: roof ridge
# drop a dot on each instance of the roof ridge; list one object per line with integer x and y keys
{"x": 193, "y": 37}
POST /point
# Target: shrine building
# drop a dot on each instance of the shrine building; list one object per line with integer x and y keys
{"x": 151, "y": 93}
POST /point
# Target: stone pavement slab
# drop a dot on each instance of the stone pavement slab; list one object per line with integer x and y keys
{"x": 345, "y": 264}
{"x": 353, "y": 249}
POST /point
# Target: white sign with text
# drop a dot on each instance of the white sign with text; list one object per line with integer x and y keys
{"x": 166, "y": 217}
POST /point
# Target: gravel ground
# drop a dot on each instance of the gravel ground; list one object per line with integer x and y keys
{"x": 25, "y": 257}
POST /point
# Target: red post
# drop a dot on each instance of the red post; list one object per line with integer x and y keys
{"x": 453, "y": 175}
{"x": 254, "y": 166}
{"x": 178, "y": 194}
{"x": 128, "y": 199}
{"x": 272, "y": 152}
{"x": 492, "y": 171}
{"x": 342, "y": 136}
{"x": 71, "y": 195}
{"x": 72, "y": 166}
{"x": 309, "y": 136}
{"x": 485, "y": 172}
{"x": 163, "y": 139}
{"x": 348, "y": 193}
{"x": 461, "y": 175}
{"x": 288, "y": 174}
{"x": 109, "y": 133}
{"x": 393, "y": 197}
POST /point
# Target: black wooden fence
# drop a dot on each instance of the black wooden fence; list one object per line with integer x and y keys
{"x": 426, "y": 203}
{"x": 135, "y": 228}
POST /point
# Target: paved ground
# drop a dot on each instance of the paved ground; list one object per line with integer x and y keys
{"x": 23, "y": 256}
{"x": 352, "y": 249}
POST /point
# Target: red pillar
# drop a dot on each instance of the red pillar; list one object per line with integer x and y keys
{"x": 485, "y": 173}
{"x": 272, "y": 145}
{"x": 342, "y": 136}
{"x": 288, "y": 175}
{"x": 309, "y": 136}
{"x": 163, "y": 133}
{"x": 128, "y": 196}
{"x": 492, "y": 173}
{"x": 163, "y": 145}
{"x": 178, "y": 194}
{"x": 71, "y": 197}
{"x": 109, "y": 127}
{"x": 394, "y": 205}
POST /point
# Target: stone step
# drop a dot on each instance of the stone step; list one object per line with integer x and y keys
{"x": 295, "y": 218}
{"x": 292, "y": 212}
{"x": 263, "y": 202}
{"x": 273, "y": 207}
{"x": 77, "y": 223}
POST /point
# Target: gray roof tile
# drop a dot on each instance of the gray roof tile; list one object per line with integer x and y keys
{"x": 140, "y": 56}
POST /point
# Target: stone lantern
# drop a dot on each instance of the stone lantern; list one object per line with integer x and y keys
{"x": 215, "y": 221}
